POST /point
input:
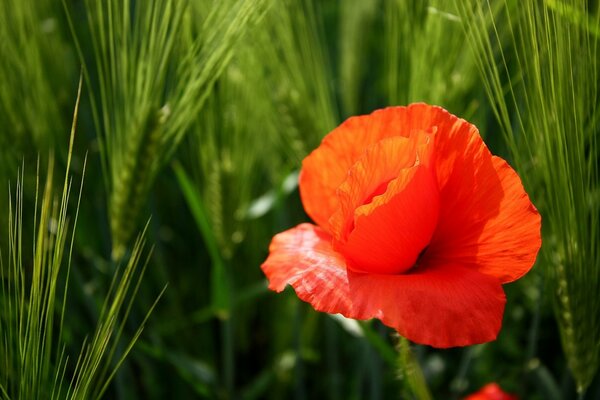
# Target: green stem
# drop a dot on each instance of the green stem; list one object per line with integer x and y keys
{"x": 385, "y": 350}
{"x": 221, "y": 280}
{"x": 227, "y": 354}
{"x": 410, "y": 371}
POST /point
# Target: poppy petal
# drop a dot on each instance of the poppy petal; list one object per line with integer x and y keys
{"x": 390, "y": 232}
{"x": 327, "y": 166}
{"x": 304, "y": 258}
{"x": 486, "y": 219}
{"x": 442, "y": 306}
{"x": 370, "y": 176}
{"x": 510, "y": 240}
{"x": 491, "y": 391}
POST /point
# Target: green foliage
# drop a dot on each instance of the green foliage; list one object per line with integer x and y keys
{"x": 36, "y": 75}
{"x": 33, "y": 303}
{"x": 152, "y": 67}
{"x": 297, "y": 70}
{"x": 549, "y": 112}
{"x": 427, "y": 61}
{"x": 35, "y": 71}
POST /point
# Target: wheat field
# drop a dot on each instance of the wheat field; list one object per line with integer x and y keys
{"x": 150, "y": 150}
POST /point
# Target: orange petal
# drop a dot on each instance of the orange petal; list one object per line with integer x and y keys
{"x": 486, "y": 219}
{"x": 324, "y": 170}
{"x": 370, "y": 176}
{"x": 390, "y": 232}
{"x": 438, "y": 305}
{"x": 510, "y": 240}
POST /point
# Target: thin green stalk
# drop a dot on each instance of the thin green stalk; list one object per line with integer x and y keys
{"x": 410, "y": 372}
{"x": 30, "y": 341}
{"x": 228, "y": 356}
{"x": 222, "y": 294}
{"x": 385, "y": 350}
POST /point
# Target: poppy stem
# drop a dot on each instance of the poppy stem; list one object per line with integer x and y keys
{"x": 410, "y": 372}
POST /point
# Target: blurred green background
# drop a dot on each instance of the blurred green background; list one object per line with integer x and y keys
{"x": 195, "y": 115}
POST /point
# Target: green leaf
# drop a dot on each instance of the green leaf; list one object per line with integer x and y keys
{"x": 219, "y": 277}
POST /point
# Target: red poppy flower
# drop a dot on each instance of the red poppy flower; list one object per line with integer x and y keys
{"x": 418, "y": 225}
{"x": 491, "y": 391}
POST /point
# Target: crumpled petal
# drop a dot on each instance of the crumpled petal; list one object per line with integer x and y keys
{"x": 439, "y": 305}
{"x": 370, "y": 176}
{"x": 326, "y": 167}
{"x": 304, "y": 258}
{"x": 390, "y": 233}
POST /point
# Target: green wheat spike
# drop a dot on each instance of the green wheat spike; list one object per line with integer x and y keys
{"x": 130, "y": 185}
{"x": 33, "y": 359}
{"x": 154, "y": 65}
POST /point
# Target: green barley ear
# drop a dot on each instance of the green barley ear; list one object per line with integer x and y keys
{"x": 98, "y": 363}
{"x": 33, "y": 298}
{"x": 540, "y": 66}
{"x": 153, "y": 64}
{"x": 32, "y": 358}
